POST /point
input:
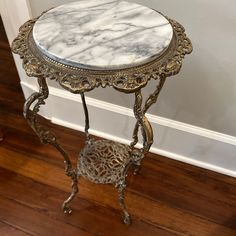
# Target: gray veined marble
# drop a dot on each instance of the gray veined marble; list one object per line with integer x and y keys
{"x": 102, "y": 34}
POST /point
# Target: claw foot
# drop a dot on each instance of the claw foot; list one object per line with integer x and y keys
{"x": 66, "y": 209}
{"x": 127, "y": 220}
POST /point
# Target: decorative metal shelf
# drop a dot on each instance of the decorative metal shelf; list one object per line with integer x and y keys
{"x": 104, "y": 161}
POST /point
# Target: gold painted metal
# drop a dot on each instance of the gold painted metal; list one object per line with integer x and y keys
{"x": 47, "y": 137}
{"x": 102, "y": 161}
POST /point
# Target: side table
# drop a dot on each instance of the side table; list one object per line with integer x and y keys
{"x": 87, "y": 44}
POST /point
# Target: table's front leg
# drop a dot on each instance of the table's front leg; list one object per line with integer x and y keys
{"x": 143, "y": 123}
{"x": 47, "y": 137}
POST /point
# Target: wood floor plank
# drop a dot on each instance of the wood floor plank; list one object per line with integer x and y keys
{"x": 194, "y": 171}
{"x": 3, "y": 36}
{"x": 8, "y": 230}
{"x": 156, "y": 213}
{"x": 1, "y": 134}
{"x": 167, "y": 190}
{"x": 87, "y": 215}
{"x": 7, "y": 93}
{"x": 26, "y": 143}
{"x": 24, "y": 217}
{"x": 182, "y": 191}
{"x": 15, "y": 121}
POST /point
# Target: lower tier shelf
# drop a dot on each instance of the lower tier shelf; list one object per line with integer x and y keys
{"x": 104, "y": 161}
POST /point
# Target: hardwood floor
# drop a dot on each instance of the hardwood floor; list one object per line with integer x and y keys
{"x": 166, "y": 198}
{"x": 1, "y": 134}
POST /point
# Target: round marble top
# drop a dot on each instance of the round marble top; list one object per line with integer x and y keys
{"x": 102, "y": 34}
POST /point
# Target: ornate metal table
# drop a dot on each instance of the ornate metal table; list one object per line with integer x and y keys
{"x": 87, "y": 44}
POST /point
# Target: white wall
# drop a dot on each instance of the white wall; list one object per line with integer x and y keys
{"x": 204, "y": 93}
{"x": 14, "y": 13}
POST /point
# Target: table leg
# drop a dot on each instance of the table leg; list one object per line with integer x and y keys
{"x": 121, "y": 185}
{"x": 47, "y": 137}
{"x": 143, "y": 123}
{"x": 121, "y": 191}
{"x": 86, "y": 114}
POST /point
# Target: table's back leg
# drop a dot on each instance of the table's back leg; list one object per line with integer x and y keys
{"x": 47, "y": 137}
{"x": 86, "y": 117}
{"x": 143, "y": 123}
{"x": 146, "y": 130}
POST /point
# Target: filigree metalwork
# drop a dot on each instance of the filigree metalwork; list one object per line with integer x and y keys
{"x": 107, "y": 162}
{"x": 47, "y": 137}
{"x": 103, "y": 161}
{"x": 78, "y": 80}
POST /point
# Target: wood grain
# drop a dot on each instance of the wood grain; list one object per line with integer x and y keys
{"x": 8, "y": 230}
{"x": 1, "y": 134}
{"x": 166, "y": 198}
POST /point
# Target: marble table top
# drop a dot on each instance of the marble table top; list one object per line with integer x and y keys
{"x": 102, "y": 34}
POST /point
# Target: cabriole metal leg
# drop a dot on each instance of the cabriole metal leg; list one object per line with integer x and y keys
{"x": 47, "y": 137}
{"x": 121, "y": 192}
{"x": 121, "y": 185}
{"x": 143, "y": 124}
{"x": 86, "y": 114}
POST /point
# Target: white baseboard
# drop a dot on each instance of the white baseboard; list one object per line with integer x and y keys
{"x": 183, "y": 142}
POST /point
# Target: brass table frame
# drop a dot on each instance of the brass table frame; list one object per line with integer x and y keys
{"x": 116, "y": 158}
